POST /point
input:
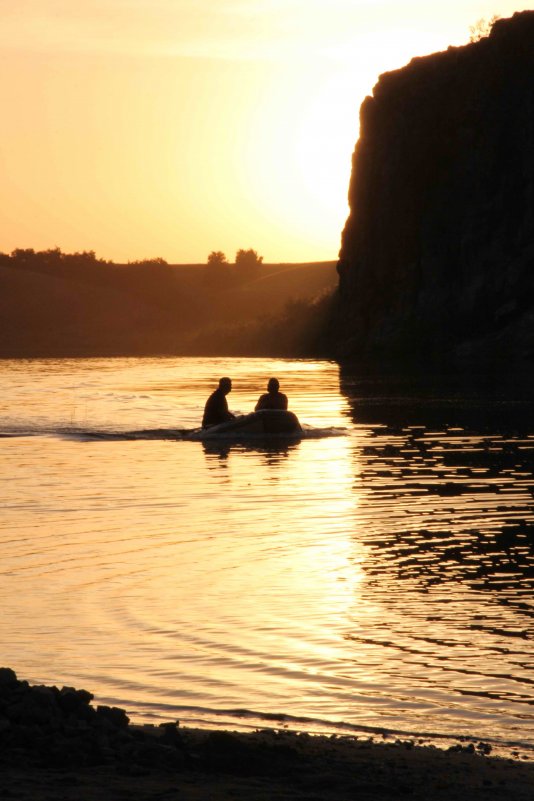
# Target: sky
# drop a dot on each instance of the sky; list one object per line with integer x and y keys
{"x": 171, "y": 128}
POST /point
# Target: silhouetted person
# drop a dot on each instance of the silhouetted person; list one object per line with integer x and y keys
{"x": 273, "y": 398}
{"x": 216, "y": 409}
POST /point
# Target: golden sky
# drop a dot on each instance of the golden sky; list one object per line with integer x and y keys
{"x": 144, "y": 128}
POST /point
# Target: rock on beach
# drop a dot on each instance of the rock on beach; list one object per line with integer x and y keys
{"x": 55, "y": 744}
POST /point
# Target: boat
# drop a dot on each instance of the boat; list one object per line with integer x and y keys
{"x": 264, "y": 422}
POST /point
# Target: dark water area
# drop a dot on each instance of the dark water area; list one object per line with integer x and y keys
{"x": 465, "y": 399}
{"x": 469, "y": 443}
{"x": 452, "y": 463}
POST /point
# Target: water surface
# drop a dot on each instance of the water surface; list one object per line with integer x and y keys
{"x": 378, "y": 575}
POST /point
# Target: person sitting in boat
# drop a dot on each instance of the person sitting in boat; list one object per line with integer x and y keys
{"x": 216, "y": 409}
{"x": 273, "y": 398}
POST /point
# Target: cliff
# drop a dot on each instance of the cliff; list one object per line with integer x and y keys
{"x": 437, "y": 256}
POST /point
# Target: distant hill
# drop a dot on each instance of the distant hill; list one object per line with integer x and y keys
{"x": 62, "y": 306}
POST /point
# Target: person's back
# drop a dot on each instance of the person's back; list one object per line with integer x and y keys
{"x": 273, "y": 398}
{"x": 216, "y": 408}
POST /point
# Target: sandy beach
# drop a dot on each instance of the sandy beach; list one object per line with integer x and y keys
{"x": 55, "y": 745}
{"x": 264, "y": 765}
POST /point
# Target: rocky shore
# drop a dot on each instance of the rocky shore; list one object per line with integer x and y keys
{"x": 55, "y": 745}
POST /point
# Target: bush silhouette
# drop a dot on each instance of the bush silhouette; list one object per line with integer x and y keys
{"x": 217, "y": 257}
{"x": 247, "y": 258}
{"x": 482, "y": 28}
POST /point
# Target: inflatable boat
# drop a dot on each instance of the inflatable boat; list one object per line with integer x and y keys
{"x": 265, "y": 422}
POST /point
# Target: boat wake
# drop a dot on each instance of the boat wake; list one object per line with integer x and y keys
{"x": 170, "y": 434}
{"x": 205, "y": 435}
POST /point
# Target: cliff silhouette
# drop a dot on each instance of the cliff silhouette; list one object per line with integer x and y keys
{"x": 437, "y": 255}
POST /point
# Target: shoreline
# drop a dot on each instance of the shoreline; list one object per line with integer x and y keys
{"x": 241, "y": 724}
{"x": 274, "y": 765}
{"x": 55, "y": 745}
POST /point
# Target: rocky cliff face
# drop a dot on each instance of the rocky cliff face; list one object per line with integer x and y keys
{"x": 437, "y": 255}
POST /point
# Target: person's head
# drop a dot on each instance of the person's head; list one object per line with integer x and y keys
{"x": 225, "y": 384}
{"x": 273, "y": 385}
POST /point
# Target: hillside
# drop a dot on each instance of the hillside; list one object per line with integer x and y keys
{"x": 92, "y": 308}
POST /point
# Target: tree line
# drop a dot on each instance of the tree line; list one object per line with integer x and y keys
{"x": 28, "y": 257}
{"x": 243, "y": 258}
{"x": 53, "y": 257}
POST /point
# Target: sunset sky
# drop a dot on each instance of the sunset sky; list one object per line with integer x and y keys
{"x": 143, "y": 128}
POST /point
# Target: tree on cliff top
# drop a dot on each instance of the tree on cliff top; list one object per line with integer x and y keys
{"x": 482, "y": 28}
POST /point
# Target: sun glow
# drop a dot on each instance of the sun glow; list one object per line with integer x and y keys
{"x": 164, "y": 129}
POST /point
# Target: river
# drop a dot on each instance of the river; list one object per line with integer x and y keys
{"x": 375, "y": 575}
